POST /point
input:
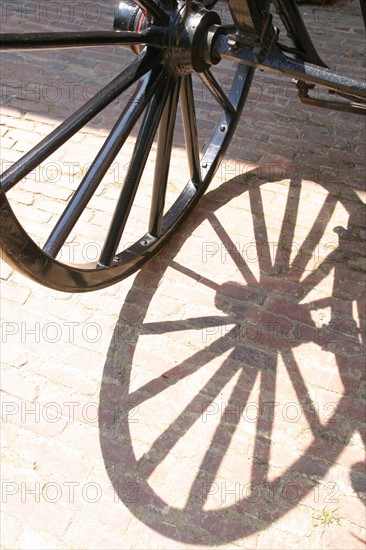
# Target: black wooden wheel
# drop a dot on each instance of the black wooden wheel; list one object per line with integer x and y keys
{"x": 173, "y": 46}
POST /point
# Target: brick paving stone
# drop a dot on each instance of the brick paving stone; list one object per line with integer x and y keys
{"x": 339, "y": 536}
{"x": 42, "y": 420}
{"x": 40, "y": 515}
{"x": 10, "y": 536}
{"x": 34, "y": 539}
{"x": 107, "y": 512}
{"x": 13, "y": 355}
{"x": 82, "y": 535}
{"x": 22, "y": 387}
{"x": 15, "y": 293}
{"x": 173, "y": 429}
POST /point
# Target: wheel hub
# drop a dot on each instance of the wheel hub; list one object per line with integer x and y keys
{"x": 189, "y": 39}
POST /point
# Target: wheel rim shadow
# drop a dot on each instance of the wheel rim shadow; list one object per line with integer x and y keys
{"x": 252, "y": 512}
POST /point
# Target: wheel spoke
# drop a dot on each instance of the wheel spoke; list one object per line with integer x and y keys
{"x": 222, "y": 438}
{"x": 323, "y": 269}
{"x": 159, "y": 15}
{"x": 264, "y": 425}
{"x": 175, "y": 374}
{"x": 218, "y": 93}
{"x": 144, "y": 63}
{"x": 231, "y": 248}
{"x": 163, "y": 154}
{"x": 50, "y": 40}
{"x": 287, "y": 231}
{"x": 305, "y": 400}
{"x": 164, "y": 443}
{"x": 260, "y": 231}
{"x": 136, "y": 167}
{"x": 101, "y": 163}
{"x": 307, "y": 248}
{"x": 190, "y": 130}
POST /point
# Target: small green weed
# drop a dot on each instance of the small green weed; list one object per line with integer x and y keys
{"x": 326, "y": 517}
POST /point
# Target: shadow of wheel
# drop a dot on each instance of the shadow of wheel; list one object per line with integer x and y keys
{"x": 130, "y": 463}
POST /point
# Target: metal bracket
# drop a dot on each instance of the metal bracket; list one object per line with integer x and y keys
{"x": 350, "y": 106}
{"x": 261, "y": 47}
{"x": 267, "y": 40}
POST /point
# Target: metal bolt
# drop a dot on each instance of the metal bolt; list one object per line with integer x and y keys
{"x": 222, "y": 128}
{"x": 232, "y": 43}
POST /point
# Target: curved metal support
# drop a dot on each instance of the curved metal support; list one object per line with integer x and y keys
{"x": 296, "y": 30}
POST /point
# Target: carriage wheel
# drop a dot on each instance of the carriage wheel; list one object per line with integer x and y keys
{"x": 159, "y": 85}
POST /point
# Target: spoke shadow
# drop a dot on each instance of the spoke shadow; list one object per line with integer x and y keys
{"x": 247, "y": 350}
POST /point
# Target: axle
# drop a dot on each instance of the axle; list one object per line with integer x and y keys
{"x": 227, "y": 47}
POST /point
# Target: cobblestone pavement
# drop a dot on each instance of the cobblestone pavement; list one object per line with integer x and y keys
{"x": 216, "y": 398}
